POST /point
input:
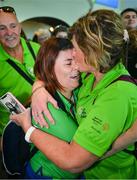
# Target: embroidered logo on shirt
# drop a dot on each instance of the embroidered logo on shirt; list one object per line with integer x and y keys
{"x": 97, "y": 121}
{"x": 82, "y": 112}
{"x": 105, "y": 127}
{"x": 99, "y": 125}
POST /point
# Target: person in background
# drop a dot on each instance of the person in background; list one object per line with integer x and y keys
{"x": 41, "y": 35}
{"x": 132, "y": 53}
{"x": 129, "y": 18}
{"x": 14, "y": 47}
{"x": 103, "y": 110}
{"x": 60, "y": 31}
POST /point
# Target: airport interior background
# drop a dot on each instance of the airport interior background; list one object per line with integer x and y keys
{"x": 35, "y": 14}
{"x": 47, "y": 14}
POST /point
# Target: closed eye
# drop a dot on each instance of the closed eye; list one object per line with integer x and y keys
{"x": 68, "y": 62}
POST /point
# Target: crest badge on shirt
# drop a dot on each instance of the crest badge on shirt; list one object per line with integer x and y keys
{"x": 82, "y": 112}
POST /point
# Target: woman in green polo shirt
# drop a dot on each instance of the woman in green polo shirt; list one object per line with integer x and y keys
{"x": 106, "y": 106}
{"x": 55, "y": 66}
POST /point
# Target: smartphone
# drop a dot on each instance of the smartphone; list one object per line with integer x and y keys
{"x": 10, "y": 102}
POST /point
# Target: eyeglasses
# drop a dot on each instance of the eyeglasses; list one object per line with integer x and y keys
{"x": 7, "y": 9}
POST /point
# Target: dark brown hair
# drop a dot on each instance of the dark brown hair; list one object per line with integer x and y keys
{"x": 46, "y": 58}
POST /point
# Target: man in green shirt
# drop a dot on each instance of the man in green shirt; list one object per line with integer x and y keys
{"x": 13, "y": 47}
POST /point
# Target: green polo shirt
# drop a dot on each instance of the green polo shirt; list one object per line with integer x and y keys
{"x": 103, "y": 113}
{"x": 64, "y": 128}
{"x": 11, "y": 80}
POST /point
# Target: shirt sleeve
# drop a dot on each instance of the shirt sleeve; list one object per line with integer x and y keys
{"x": 64, "y": 127}
{"x": 104, "y": 122}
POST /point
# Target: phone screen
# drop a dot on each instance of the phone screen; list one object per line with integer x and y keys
{"x": 11, "y": 104}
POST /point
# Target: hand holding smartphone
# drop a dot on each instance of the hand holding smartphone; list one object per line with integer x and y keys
{"x": 10, "y": 102}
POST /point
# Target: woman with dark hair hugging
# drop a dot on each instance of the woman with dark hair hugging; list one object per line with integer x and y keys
{"x": 55, "y": 66}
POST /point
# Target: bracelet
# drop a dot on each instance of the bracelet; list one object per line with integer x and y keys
{"x": 28, "y": 134}
{"x": 37, "y": 89}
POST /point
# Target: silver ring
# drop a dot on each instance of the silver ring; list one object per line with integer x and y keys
{"x": 39, "y": 114}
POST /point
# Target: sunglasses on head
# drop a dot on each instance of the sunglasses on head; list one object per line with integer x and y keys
{"x": 7, "y": 9}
